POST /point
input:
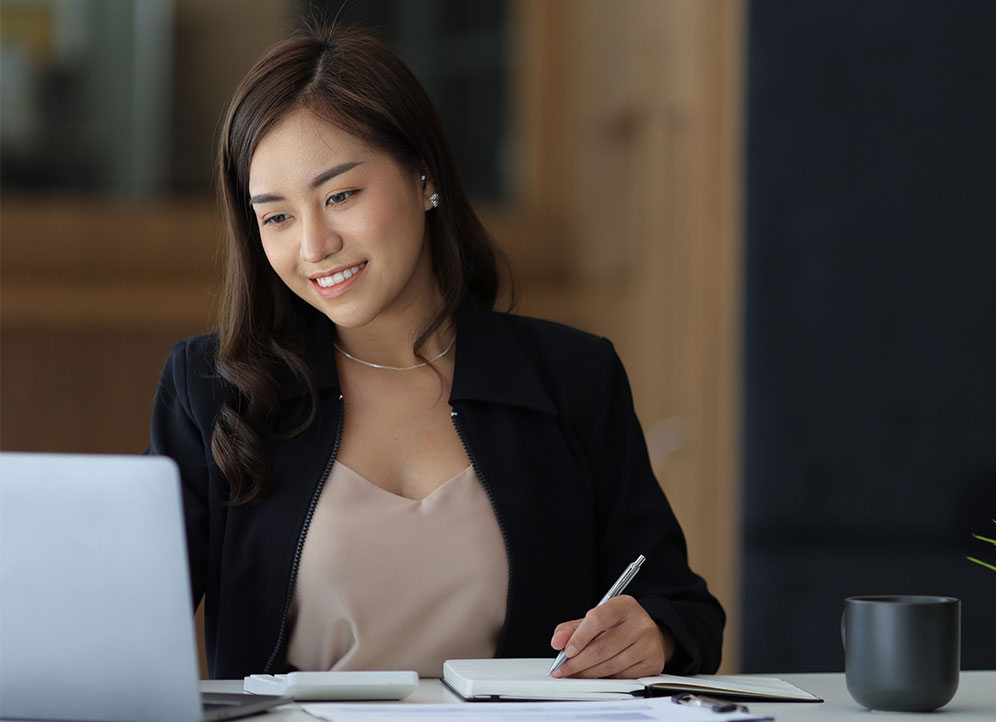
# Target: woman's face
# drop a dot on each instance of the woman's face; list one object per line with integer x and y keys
{"x": 342, "y": 224}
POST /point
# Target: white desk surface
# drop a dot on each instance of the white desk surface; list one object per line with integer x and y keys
{"x": 975, "y": 700}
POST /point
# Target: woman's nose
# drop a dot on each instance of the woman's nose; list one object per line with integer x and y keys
{"x": 319, "y": 240}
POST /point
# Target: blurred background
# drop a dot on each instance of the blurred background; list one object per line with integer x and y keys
{"x": 783, "y": 214}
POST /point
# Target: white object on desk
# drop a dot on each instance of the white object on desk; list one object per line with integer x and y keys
{"x": 974, "y": 701}
{"x": 661, "y": 709}
{"x": 334, "y": 685}
{"x": 521, "y": 679}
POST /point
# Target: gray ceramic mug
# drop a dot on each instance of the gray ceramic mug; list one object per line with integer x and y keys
{"x": 902, "y": 653}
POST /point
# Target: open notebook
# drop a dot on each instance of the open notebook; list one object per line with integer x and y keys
{"x": 528, "y": 679}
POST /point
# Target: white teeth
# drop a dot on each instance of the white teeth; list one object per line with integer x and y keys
{"x": 335, "y": 278}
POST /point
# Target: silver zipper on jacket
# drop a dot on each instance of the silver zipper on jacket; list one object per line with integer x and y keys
{"x": 300, "y": 540}
{"x": 501, "y": 524}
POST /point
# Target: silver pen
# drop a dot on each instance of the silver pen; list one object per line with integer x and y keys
{"x": 716, "y": 705}
{"x": 614, "y": 591}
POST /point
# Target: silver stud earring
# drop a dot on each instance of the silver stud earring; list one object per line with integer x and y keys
{"x": 434, "y": 200}
{"x": 423, "y": 177}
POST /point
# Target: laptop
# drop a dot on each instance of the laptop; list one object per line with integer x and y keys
{"x": 96, "y": 619}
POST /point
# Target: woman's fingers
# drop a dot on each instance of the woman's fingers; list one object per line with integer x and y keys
{"x": 563, "y": 633}
{"x": 616, "y": 639}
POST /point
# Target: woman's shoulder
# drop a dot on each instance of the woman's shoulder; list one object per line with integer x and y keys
{"x": 195, "y": 353}
{"x": 191, "y": 366}
{"x": 556, "y": 340}
{"x": 577, "y": 373}
{"x": 568, "y": 361}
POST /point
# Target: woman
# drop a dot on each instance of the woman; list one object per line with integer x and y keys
{"x": 379, "y": 469}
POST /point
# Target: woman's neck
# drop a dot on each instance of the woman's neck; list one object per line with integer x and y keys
{"x": 392, "y": 344}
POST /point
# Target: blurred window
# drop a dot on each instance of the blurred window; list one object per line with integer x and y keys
{"x": 85, "y": 94}
{"x": 123, "y": 96}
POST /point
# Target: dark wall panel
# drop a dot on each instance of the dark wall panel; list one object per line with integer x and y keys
{"x": 870, "y": 328}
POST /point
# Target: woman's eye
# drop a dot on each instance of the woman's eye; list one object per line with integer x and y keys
{"x": 337, "y": 199}
{"x": 276, "y": 219}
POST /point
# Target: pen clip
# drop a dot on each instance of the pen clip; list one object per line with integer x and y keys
{"x": 711, "y": 703}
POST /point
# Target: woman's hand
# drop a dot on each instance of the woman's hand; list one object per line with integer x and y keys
{"x": 616, "y": 639}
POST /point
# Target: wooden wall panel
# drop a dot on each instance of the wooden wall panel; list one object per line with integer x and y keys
{"x": 629, "y": 122}
{"x": 93, "y": 293}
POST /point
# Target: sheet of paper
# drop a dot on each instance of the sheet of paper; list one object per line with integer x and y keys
{"x": 660, "y": 709}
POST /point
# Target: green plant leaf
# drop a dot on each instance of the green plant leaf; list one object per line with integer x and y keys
{"x": 982, "y": 538}
{"x": 979, "y": 561}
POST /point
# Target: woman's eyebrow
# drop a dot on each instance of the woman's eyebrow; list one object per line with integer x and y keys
{"x": 331, "y": 173}
{"x": 322, "y": 177}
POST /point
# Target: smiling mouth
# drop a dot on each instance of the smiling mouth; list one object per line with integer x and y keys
{"x": 339, "y": 276}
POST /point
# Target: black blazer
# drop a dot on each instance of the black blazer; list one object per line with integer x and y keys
{"x": 546, "y": 415}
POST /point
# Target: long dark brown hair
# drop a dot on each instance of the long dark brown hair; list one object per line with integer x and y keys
{"x": 356, "y": 83}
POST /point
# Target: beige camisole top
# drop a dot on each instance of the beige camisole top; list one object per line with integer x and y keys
{"x": 387, "y": 582}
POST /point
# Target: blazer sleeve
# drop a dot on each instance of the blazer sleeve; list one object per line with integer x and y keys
{"x": 176, "y": 433}
{"x": 638, "y": 519}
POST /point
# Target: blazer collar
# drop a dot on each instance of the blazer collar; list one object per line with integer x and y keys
{"x": 491, "y": 365}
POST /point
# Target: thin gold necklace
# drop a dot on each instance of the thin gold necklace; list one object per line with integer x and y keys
{"x": 350, "y": 356}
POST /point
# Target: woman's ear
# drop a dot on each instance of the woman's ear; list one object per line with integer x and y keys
{"x": 430, "y": 197}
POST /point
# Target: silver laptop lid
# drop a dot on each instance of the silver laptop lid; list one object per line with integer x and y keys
{"x": 95, "y": 611}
